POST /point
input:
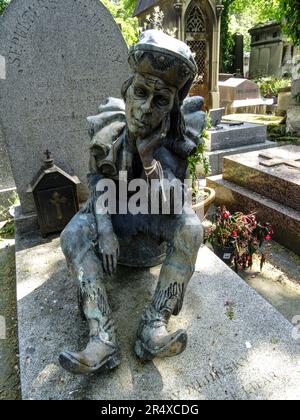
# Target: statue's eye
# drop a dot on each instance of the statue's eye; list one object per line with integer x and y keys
{"x": 139, "y": 92}
{"x": 162, "y": 101}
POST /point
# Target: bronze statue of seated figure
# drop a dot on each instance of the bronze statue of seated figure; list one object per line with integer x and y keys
{"x": 148, "y": 135}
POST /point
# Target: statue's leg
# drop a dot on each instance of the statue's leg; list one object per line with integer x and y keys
{"x": 153, "y": 338}
{"x": 77, "y": 242}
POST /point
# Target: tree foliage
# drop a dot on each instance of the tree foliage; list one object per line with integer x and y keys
{"x": 3, "y": 4}
{"x": 290, "y": 13}
{"x": 241, "y": 15}
{"x": 122, "y": 11}
{"x": 227, "y": 43}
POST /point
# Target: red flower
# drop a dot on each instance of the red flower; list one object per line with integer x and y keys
{"x": 268, "y": 237}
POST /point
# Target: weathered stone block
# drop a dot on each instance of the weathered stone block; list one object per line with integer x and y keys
{"x": 236, "y": 136}
{"x": 62, "y": 58}
{"x": 279, "y": 181}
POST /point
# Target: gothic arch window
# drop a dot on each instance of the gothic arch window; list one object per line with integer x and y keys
{"x": 195, "y": 22}
{"x": 196, "y": 38}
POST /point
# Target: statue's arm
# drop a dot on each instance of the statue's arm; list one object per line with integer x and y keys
{"x": 107, "y": 239}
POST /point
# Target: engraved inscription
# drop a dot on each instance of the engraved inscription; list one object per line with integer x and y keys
{"x": 24, "y": 24}
{"x": 91, "y": 17}
{"x": 216, "y": 375}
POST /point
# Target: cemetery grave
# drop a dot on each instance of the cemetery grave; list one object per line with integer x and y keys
{"x": 46, "y": 93}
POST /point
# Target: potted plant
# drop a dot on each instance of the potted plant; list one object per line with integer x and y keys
{"x": 237, "y": 237}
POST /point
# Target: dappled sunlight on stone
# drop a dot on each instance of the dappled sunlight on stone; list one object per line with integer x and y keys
{"x": 49, "y": 372}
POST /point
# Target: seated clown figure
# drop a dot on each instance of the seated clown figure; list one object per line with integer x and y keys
{"x": 147, "y": 136}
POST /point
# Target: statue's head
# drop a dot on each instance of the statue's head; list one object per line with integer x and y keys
{"x": 163, "y": 72}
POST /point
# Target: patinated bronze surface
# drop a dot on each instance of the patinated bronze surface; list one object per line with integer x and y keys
{"x": 148, "y": 136}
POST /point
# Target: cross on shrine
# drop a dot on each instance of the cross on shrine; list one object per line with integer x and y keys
{"x": 276, "y": 161}
{"x": 48, "y": 154}
{"x": 57, "y": 201}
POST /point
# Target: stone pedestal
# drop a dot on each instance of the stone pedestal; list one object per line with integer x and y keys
{"x": 224, "y": 359}
{"x": 267, "y": 182}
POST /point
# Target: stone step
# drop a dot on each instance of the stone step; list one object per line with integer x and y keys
{"x": 285, "y": 220}
{"x": 235, "y": 136}
{"x": 278, "y": 181}
{"x": 224, "y": 359}
{"x": 216, "y": 157}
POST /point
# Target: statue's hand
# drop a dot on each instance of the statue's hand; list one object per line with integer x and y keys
{"x": 109, "y": 248}
{"x": 147, "y": 145}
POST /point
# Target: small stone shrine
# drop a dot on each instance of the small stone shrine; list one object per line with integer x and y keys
{"x": 55, "y": 196}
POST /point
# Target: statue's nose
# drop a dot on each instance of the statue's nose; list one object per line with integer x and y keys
{"x": 146, "y": 107}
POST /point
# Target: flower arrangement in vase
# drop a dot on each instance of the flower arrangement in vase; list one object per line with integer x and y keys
{"x": 237, "y": 237}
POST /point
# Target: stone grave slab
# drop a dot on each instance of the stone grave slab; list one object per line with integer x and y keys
{"x": 224, "y": 359}
{"x": 227, "y": 136}
{"x": 60, "y": 59}
{"x": 216, "y": 157}
{"x": 274, "y": 173}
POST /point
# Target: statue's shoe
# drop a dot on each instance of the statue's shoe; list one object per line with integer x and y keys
{"x": 157, "y": 343}
{"x": 96, "y": 357}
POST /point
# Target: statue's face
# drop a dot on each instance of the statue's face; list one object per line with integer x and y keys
{"x": 149, "y": 102}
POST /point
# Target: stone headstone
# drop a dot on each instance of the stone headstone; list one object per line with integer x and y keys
{"x": 7, "y": 183}
{"x": 238, "y": 92}
{"x": 216, "y": 116}
{"x": 238, "y": 89}
{"x": 2, "y": 68}
{"x": 6, "y": 178}
{"x": 60, "y": 59}
{"x": 238, "y": 58}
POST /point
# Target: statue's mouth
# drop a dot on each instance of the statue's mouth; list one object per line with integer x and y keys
{"x": 139, "y": 123}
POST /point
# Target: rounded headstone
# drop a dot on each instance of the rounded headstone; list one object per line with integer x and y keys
{"x": 59, "y": 60}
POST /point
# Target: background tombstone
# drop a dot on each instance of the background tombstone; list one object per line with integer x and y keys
{"x": 238, "y": 66}
{"x": 61, "y": 59}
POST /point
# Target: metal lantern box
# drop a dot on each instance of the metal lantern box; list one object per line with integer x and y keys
{"x": 55, "y": 196}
